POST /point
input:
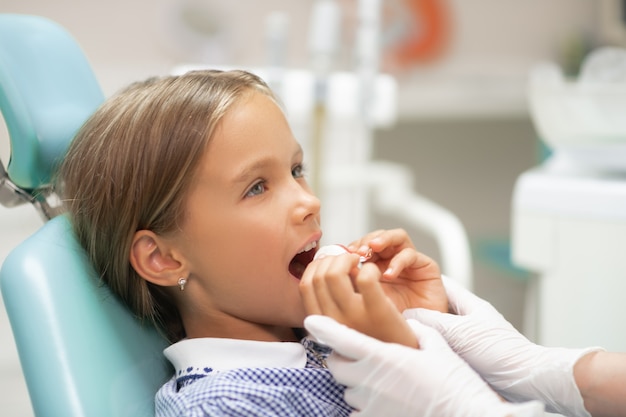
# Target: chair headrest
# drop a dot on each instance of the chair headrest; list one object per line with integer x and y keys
{"x": 47, "y": 91}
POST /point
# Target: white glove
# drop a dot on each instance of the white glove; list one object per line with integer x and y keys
{"x": 516, "y": 368}
{"x": 386, "y": 379}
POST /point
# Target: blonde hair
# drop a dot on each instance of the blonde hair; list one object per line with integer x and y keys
{"x": 129, "y": 169}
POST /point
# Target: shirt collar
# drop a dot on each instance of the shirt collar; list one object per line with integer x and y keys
{"x": 225, "y": 354}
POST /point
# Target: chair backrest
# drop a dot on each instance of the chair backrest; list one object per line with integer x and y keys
{"x": 82, "y": 352}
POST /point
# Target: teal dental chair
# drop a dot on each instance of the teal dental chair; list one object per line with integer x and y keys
{"x": 82, "y": 352}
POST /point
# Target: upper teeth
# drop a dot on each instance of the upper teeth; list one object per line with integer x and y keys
{"x": 309, "y": 246}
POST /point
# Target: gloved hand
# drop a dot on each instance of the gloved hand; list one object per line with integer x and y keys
{"x": 516, "y": 368}
{"x": 388, "y": 379}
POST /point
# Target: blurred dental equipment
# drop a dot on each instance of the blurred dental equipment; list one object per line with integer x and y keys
{"x": 569, "y": 213}
{"x": 323, "y": 41}
{"x": 368, "y": 57}
{"x": 350, "y": 182}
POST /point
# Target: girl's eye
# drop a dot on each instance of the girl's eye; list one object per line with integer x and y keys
{"x": 256, "y": 189}
{"x": 298, "y": 171}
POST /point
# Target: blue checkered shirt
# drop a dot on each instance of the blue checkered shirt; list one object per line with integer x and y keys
{"x": 245, "y": 392}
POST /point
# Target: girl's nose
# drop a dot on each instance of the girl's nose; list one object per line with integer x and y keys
{"x": 307, "y": 204}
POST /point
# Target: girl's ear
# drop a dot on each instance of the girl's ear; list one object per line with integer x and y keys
{"x": 154, "y": 260}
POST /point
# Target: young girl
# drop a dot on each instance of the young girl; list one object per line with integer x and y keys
{"x": 188, "y": 194}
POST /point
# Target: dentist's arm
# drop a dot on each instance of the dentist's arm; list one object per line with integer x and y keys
{"x": 601, "y": 378}
{"x": 520, "y": 370}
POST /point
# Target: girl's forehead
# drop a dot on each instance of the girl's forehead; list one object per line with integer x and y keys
{"x": 254, "y": 121}
{"x": 254, "y": 129}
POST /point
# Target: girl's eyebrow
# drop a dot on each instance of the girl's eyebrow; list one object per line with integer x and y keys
{"x": 248, "y": 171}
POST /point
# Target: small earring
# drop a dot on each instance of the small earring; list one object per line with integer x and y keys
{"x": 181, "y": 283}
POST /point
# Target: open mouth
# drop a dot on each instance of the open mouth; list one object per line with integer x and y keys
{"x": 299, "y": 262}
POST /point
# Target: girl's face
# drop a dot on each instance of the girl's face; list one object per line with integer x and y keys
{"x": 249, "y": 215}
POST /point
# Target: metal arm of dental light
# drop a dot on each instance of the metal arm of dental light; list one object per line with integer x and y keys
{"x": 392, "y": 187}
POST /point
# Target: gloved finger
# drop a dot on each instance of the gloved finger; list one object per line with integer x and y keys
{"x": 348, "y": 372}
{"x": 464, "y": 302}
{"x": 435, "y": 319}
{"x": 452, "y": 326}
{"x": 428, "y": 337}
{"x": 342, "y": 339}
{"x": 461, "y": 300}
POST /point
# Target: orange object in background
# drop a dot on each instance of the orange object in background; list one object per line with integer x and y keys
{"x": 425, "y": 33}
